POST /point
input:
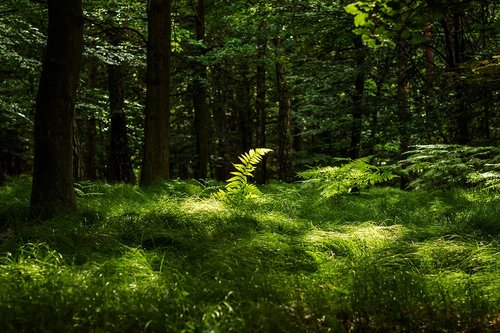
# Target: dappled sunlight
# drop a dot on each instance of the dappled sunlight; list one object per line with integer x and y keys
{"x": 367, "y": 234}
{"x": 203, "y": 206}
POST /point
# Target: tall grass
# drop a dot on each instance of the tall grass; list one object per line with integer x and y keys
{"x": 170, "y": 258}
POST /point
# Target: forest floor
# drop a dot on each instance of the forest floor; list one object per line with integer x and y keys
{"x": 171, "y": 258}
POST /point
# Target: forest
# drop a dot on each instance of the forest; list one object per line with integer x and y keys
{"x": 249, "y": 166}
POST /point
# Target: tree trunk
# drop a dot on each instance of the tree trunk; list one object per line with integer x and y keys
{"x": 260, "y": 109}
{"x": 200, "y": 105}
{"x": 453, "y": 26}
{"x": 155, "y": 164}
{"x": 90, "y": 171}
{"x": 221, "y": 127}
{"x": 120, "y": 165}
{"x": 53, "y": 189}
{"x": 77, "y": 152}
{"x": 430, "y": 106}
{"x": 243, "y": 105}
{"x": 357, "y": 100}
{"x": 285, "y": 141}
{"x": 404, "y": 119}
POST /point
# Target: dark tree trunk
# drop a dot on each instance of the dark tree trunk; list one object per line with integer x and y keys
{"x": 155, "y": 164}
{"x": 90, "y": 152}
{"x": 454, "y": 34}
{"x": 200, "y": 105}
{"x": 357, "y": 100}
{"x": 77, "y": 153}
{"x": 244, "y": 106}
{"x": 404, "y": 114}
{"x": 90, "y": 171}
{"x": 404, "y": 128}
{"x": 260, "y": 109}
{"x": 120, "y": 165}
{"x": 221, "y": 126}
{"x": 53, "y": 189}
{"x": 430, "y": 109}
{"x": 285, "y": 142}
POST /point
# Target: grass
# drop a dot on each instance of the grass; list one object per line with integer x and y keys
{"x": 172, "y": 259}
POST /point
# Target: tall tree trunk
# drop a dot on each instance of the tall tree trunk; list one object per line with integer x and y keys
{"x": 285, "y": 141}
{"x": 90, "y": 171}
{"x": 260, "y": 109}
{"x": 120, "y": 165}
{"x": 357, "y": 99}
{"x": 221, "y": 126}
{"x": 53, "y": 189}
{"x": 430, "y": 109}
{"x": 404, "y": 119}
{"x": 77, "y": 152}
{"x": 200, "y": 105}
{"x": 155, "y": 164}
{"x": 244, "y": 107}
{"x": 453, "y": 25}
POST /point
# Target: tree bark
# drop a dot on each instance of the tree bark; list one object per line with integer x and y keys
{"x": 120, "y": 165}
{"x": 243, "y": 105}
{"x": 200, "y": 105}
{"x": 155, "y": 164}
{"x": 285, "y": 141}
{"x": 357, "y": 100}
{"x": 53, "y": 189}
{"x": 221, "y": 122}
{"x": 90, "y": 171}
{"x": 260, "y": 109}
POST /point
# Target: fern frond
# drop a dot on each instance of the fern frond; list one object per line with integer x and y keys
{"x": 238, "y": 186}
{"x": 338, "y": 180}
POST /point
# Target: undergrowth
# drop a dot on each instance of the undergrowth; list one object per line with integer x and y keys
{"x": 171, "y": 258}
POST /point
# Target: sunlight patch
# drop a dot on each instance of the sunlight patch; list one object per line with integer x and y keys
{"x": 198, "y": 206}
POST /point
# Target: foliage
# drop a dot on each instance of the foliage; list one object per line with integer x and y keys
{"x": 237, "y": 187}
{"x": 449, "y": 166}
{"x": 337, "y": 180}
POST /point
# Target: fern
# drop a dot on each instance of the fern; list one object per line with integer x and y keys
{"x": 337, "y": 180}
{"x": 238, "y": 187}
{"x": 449, "y": 166}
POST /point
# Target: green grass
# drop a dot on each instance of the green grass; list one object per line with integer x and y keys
{"x": 172, "y": 259}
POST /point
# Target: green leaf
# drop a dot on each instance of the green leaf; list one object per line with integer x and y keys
{"x": 352, "y": 9}
{"x": 361, "y": 19}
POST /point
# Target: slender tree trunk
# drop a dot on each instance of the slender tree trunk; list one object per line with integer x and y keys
{"x": 77, "y": 152}
{"x": 285, "y": 142}
{"x": 155, "y": 164}
{"x": 430, "y": 109}
{"x": 221, "y": 126}
{"x": 244, "y": 106}
{"x": 90, "y": 171}
{"x": 91, "y": 149}
{"x": 374, "y": 119}
{"x": 200, "y": 105}
{"x": 52, "y": 189}
{"x": 453, "y": 26}
{"x": 260, "y": 109}
{"x": 120, "y": 165}
{"x": 404, "y": 120}
{"x": 357, "y": 99}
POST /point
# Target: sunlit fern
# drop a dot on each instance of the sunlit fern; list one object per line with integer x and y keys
{"x": 337, "y": 180}
{"x": 238, "y": 187}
